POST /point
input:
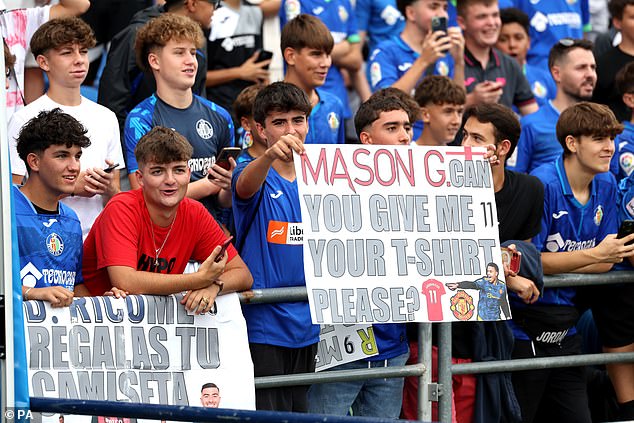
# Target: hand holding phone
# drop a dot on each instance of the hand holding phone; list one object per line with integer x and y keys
{"x": 626, "y": 228}
{"x": 222, "y": 159}
{"x": 111, "y": 168}
{"x": 223, "y": 249}
{"x": 512, "y": 259}
{"x": 439, "y": 23}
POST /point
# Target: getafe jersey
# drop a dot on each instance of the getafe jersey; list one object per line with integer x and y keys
{"x": 50, "y": 245}
{"x": 541, "y": 82}
{"x": 550, "y": 21}
{"x": 269, "y": 230}
{"x": 538, "y": 142}
{"x": 568, "y": 225}
{"x": 622, "y": 162}
{"x": 325, "y": 123}
{"x": 380, "y": 19}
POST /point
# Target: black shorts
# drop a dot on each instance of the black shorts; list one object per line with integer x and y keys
{"x": 613, "y": 312}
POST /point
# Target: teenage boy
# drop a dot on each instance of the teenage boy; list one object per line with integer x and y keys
{"x": 49, "y": 234}
{"x": 442, "y": 105}
{"x": 578, "y": 235}
{"x": 166, "y": 47}
{"x": 490, "y": 76}
{"x": 381, "y": 120}
{"x": 610, "y": 62}
{"x": 282, "y": 338}
{"x": 307, "y": 45}
{"x": 515, "y": 41}
{"x": 124, "y": 83}
{"x": 60, "y": 47}
{"x": 623, "y": 160}
{"x": 573, "y": 68}
{"x": 253, "y": 145}
{"x": 401, "y": 62}
{"x": 143, "y": 239}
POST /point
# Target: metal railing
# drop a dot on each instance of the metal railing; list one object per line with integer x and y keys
{"x": 445, "y": 369}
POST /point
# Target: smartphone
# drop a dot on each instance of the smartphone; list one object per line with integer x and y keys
{"x": 626, "y": 228}
{"x": 111, "y": 168}
{"x": 223, "y": 249}
{"x": 264, "y": 55}
{"x": 512, "y": 258}
{"x": 222, "y": 159}
{"x": 439, "y": 23}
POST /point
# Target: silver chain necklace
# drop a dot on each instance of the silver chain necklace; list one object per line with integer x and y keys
{"x": 157, "y": 251}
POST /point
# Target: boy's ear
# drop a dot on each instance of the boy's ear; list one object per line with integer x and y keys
{"x": 42, "y": 62}
{"x": 260, "y": 129}
{"x": 571, "y": 143}
{"x": 289, "y": 56}
{"x": 503, "y": 148}
{"x": 628, "y": 100}
{"x": 33, "y": 162}
{"x": 365, "y": 138}
{"x": 424, "y": 115}
{"x": 153, "y": 61}
{"x": 244, "y": 123}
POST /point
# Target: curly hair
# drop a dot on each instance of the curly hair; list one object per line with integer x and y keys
{"x": 159, "y": 31}
{"x": 436, "y": 89}
{"x": 280, "y": 97}
{"x": 371, "y": 109}
{"x": 61, "y": 32}
{"x": 52, "y": 127}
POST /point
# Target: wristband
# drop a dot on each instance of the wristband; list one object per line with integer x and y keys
{"x": 220, "y": 284}
{"x": 26, "y": 294}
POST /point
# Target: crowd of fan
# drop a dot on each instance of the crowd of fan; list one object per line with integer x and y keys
{"x": 191, "y": 140}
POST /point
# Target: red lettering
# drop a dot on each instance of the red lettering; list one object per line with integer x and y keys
{"x": 362, "y": 166}
{"x": 439, "y": 172}
{"x": 389, "y": 182}
{"x": 339, "y": 161}
{"x": 321, "y": 163}
{"x": 399, "y": 163}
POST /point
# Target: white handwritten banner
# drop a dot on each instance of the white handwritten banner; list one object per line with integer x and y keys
{"x": 400, "y": 234}
{"x": 142, "y": 349}
{"x": 340, "y": 344}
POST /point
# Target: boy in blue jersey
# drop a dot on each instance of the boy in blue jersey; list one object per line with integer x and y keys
{"x": 515, "y": 41}
{"x": 266, "y": 206}
{"x": 623, "y": 160}
{"x": 402, "y": 61}
{"x": 339, "y": 18}
{"x": 166, "y": 46}
{"x": 442, "y": 105}
{"x": 578, "y": 235}
{"x": 382, "y": 120}
{"x": 307, "y": 45}
{"x": 551, "y": 21}
{"x": 378, "y": 20}
{"x": 573, "y": 68}
{"x": 49, "y": 233}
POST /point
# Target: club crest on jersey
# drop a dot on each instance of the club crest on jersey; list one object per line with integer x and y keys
{"x": 292, "y": 9}
{"x": 462, "y": 305}
{"x": 442, "y": 68}
{"x": 343, "y": 14}
{"x": 598, "y": 215}
{"x": 54, "y": 244}
{"x": 333, "y": 121}
{"x": 204, "y": 129}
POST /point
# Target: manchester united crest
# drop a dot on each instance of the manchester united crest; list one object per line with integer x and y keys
{"x": 462, "y": 305}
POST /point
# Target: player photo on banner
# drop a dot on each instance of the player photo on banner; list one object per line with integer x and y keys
{"x": 141, "y": 349}
{"x": 399, "y": 234}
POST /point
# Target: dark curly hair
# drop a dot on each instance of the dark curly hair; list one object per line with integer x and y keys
{"x": 50, "y": 127}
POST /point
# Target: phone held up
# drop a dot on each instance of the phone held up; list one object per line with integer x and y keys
{"x": 626, "y": 228}
{"x": 511, "y": 258}
{"x": 223, "y": 249}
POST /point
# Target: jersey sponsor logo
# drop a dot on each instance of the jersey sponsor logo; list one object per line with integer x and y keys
{"x": 559, "y": 214}
{"x": 539, "y": 90}
{"x": 277, "y": 195}
{"x": 247, "y": 41}
{"x": 201, "y": 164}
{"x": 204, "y": 129}
{"x": 539, "y": 22}
{"x": 317, "y": 10}
{"x": 284, "y": 233}
{"x": 49, "y": 223}
{"x": 375, "y": 72}
{"x": 390, "y": 15}
{"x": 54, "y": 244}
{"x": 59, "y": 277}
{"x": 462, "y": 305}
{"x": 555, "y": 243}
{"x": 626, "y": 161}
{"x": 29, "y": 275}
{"x": 292, "y": 9}
{"x": 333, "y": 121}
{"x": 598, "y": 215}
{"x": 343, "y": 14}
